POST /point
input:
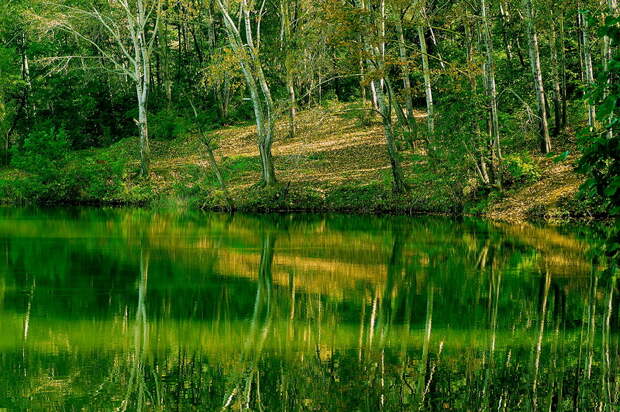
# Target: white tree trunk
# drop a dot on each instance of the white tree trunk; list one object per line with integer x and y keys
{"x": 428, "y": 87}
{"x": 555, "y": 77}
{"x": 405, "y": 72}
{"x": 491, "y": 85}
{"x": 545, "y": 138}
{"x": 587, "y": 66}
{"x": 612, "y": 10}
{"x": 145, "y": 151}
{"x": 260, "y": 94}
{"x": 385, "y": 103}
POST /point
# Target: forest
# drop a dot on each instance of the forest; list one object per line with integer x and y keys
{"x": 450, "y": 106}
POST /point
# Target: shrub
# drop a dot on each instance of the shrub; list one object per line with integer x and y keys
{"x": 98, "y": 179}
{"x": 42, "y": 152}
{"x": 168, "y": 124}
{"x": 49, "y": 177}
{"x": 42, "y": 157}
{"x": 519, "y": 168}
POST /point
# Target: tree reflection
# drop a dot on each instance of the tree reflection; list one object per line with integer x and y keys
{"x": 246, "y": 393}
{"x": 293, "y": 313}
{"x": 136, "y": 386}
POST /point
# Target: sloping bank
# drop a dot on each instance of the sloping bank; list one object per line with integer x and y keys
{"x": 336, "y": 162}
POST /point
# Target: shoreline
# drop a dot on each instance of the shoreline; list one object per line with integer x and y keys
{"x": 172, "y": 204}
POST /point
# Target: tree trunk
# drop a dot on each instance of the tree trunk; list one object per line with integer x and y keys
{"x": 588, "y": 71}
{"x": 479, "y": 151}
{"x": 30, "y": 111}
{"x": 167, "y": 76}
{"x": 212, "y": 161}
{"x": 496, "y": 153}
{"x": 142, "y": 48}
{"x": 612, "y": 10}
{"x": 405, "y": 72}
{"x": 545, "y": 138}
{"x": 428, "y": 88}
{"x": 292, "y": 112}
{"x": 378, "y": 85}
{"x": 26, "y": 107}
{"x": 555, "y": 77}
{"x": 563, "y": 76}
{"x": 266, "y": 138}
{"x": 264, "y": 111}
{"x": 362, "y": 83}
{"x": 373, "y": 92}
{"x": 385, "y": 107}
{"x": 142, "y": 91}
{"x": 145, "y": 150}
{"x": 505, "y": 17}
{"x": 286, "y": 40}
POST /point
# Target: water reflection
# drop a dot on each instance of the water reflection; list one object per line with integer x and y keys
{"x": 135, "y": 310}
{"x": 136, "y": 386}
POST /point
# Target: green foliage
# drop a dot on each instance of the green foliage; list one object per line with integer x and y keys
{"x": 363, "y": 116}
{"x": 43, "y": 151}
{"x": 43, "y": 157}
{"x": 139, "y": 194}
{"x": 355, "y": 197}
{"x": 480, "y": 201}
{"x": 600, "y": 160}
{"x": 520, "y": 168}
{"x": 233, "y": 167}
{"x": 280, "y": 197}
{"x": 168, "y": 124}
{"x": 99, "y": 179}
{"x": 601, "y": 147}
{"x": 50, "y": 176}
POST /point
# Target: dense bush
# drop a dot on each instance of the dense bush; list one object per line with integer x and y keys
{"x": 43, "y": 158}
{"x": 519, "y": 168}
{"x": 168, "y": 124}
{"x": 48, "y": 175}
{"x": 98, "y": 179}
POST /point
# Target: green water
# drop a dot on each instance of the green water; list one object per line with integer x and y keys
{"x": 139, "y": 310}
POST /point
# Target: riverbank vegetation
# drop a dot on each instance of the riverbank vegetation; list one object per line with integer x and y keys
{"x": 481, "y": 107}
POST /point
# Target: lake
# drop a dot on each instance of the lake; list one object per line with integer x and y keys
{"x": 130, "y": 309}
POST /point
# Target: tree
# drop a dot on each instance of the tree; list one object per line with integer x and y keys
{"x": 131, "y": 25}
{"x": 376, "y": 50}
{"x": 426, "y": 69}
{"x": 247, "y": 52}
{"x": 539, "y": 87}
{"x": 587, "y": 67}
{"x": 489, "y": 71}
{"x": 288, "y": 14}
{"x": 600, "y": 161}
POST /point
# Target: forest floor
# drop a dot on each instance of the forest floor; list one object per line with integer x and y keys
{"x": 549, "y": 198}
{"x": 337, "y": 161}
{"x": 329, "y": 149}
